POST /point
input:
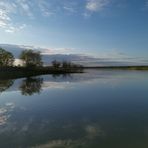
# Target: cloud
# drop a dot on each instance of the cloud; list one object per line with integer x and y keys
{"x": 31, "y": 9}
{"x": 70, "y": 6}
{"x": 5, "y": 9}
{"x": 46, "y": 8}
{"x": 57, "y": 51}
{"x": 6, "y": 23}
{"x": 70, "y": 9}
{"x": 96, "y": 5}
{"x": 25, "y": 7}
{"x": 56, "y": 7}
{"x": 12, "y": 29}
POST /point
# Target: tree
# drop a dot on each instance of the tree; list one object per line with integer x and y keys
{"x": 56, "y": 64}
{"x": 31, "y": 58}
{"x": 66, "y": 64}
{"x": 6, "y": 58}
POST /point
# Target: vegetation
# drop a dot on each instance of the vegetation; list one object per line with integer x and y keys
{"x": 31, "y": 58}
{"x": 33, "y": 66}
{"x": 6, "y": 58}
{"x": 120, "y": 67}
{"x": 65, "y": 65}
{"x": 56, "y": 64}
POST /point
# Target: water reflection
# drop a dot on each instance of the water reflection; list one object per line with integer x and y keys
{"x": 86, "y": 116}
{"x": 5, "y": 112}
{"x": 31, "y": 86}
{"x": 35, "y": 85}
{"x": 55, "y": 76}
{"x": 5, "y": 84}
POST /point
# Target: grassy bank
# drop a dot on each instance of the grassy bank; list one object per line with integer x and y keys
{"x": 119, "y": 67}
{"x": 20, "y": 72}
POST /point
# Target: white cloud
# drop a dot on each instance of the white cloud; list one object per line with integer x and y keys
{"x": 70, "y": 9}
{"x": 25, "y": 7}
{"x": 56, "y": 7}
{"x": 70, "y": 6}
{"x": 13, "y": 29}
{"x": 5, "y": 9}
{"x": 57, "y": 51}
{"x": 46, "y": 8}
{"x": 2, "y": 24}
{"x": 32, "y": 8}
{"x": 96, "y": 5}
{"x": 6, "y": 23}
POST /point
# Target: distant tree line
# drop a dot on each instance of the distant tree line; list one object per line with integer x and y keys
{"x": 65, "y": 65}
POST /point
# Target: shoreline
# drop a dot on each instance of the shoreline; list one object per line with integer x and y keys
{"x": 22, "y": 72}
{"x": 118, "y": 67}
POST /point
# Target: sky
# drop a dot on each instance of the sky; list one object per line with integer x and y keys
{"x": 102, "y": 28}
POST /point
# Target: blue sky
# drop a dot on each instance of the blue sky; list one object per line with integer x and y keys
{"x": 103, "y": 28}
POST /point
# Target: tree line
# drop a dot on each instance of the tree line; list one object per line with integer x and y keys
{"x": 28, "y": 57}
{"x": 31, "y": 58}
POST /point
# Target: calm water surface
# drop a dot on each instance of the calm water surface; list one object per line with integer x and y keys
{"x": 97, "y": 109}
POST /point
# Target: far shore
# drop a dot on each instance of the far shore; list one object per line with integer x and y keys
{"x": 140, "y": 67}
{"x": 21, "y": 72}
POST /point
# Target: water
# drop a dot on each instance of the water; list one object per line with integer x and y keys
{"x": 97, "y": 109}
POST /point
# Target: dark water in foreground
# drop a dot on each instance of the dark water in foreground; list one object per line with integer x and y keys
{"x": 97, "y": 109}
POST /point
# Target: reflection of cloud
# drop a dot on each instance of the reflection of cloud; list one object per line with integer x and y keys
{"x": 57, "y": 85}
{"x": 94, "y": 131}
{"x": 88, "y": 131}
{"x": 109, "y": 78}
{"x": 91, "y": 132}
{"x": 56, "y": 143}
{"x": 5, "y": 112}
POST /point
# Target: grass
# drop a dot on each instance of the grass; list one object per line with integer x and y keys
{"x": 20, "y": 72}
{"x": 119, "y": 67}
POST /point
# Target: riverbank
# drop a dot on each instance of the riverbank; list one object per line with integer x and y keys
{"x": 20, "y": 72}
{"x": 119, "y": 67}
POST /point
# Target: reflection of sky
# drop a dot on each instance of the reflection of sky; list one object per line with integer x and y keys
{"x": 88, "y": 110}
{"x": 5, "y": 111}
{"x": 104, "y": 77}
{"x": 91, "y": 132}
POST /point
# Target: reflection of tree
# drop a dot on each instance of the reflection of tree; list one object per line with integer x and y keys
{"x": 31, "y": 86}
{"x": 64, "y": 76}
{"x": 5, "y": 84}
